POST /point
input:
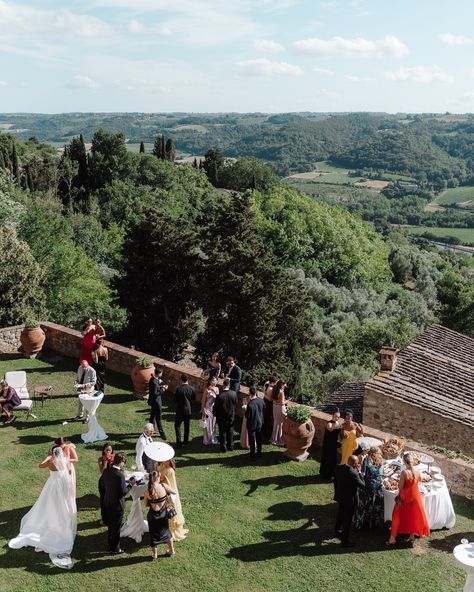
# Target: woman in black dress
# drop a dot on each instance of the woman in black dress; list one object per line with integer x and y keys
{"x": 330, "y": 446}
{"x": 157, "y": 518}
{"x": 100, "y": 355}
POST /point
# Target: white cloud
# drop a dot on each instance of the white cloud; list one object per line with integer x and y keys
{"x": 3, "y": 83}
{"x": 165, "y": 31}
{"x": 268, "y": 46}
{"x": 323, "y": 71}
{"x": 16, "y": 19}
{"x": 450, "y": 39}
{"x": 263, "y": 68}
{"x": 388, "y": 46}
{"x": 135, "y": 26}
{"x": 421, "y": 74}
{"x": 467, "y": 97}
{"x": 83, "y": 82}
{"x": 353, "y": 78}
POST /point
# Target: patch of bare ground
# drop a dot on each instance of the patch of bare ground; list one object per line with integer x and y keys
{"x": 372, "y": 184}
{"x": 307, "y": 176}
{"x": 433, "y": 207}
{"x": 466, "y": 204}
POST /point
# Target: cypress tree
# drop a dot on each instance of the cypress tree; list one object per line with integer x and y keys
{"x": 142, "y": 148}
{"x": 163, "y": 153}
{"x": 2, "y": 161}
{"x": 170, "y": 150}
{"x": 158, "y": 149}
{"x": 195, "y": 163}
{"x": 8, "y": 163}
{"x": 29, "y": 179}
{"x": 16, "y": 165}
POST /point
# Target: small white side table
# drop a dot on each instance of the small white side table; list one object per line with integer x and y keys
{"x": 95, "y": 432}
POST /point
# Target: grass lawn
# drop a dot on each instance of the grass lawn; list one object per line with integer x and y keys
{"x": 253, "y": 527}
{"x": 455, "y": 195}
{"x": 465, "y": 235}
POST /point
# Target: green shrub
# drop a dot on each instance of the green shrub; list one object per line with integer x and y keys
{"x": 298, "y": 413}
{"x": 144, "y": 362}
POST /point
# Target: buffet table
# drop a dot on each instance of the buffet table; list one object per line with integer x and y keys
{"x": 135, "y": 525}
{"x": 437, "y": 503}
{"x": 95, "y": 432}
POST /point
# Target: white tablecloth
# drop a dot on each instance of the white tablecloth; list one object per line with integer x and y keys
{"x": 135, "y": 525}
{"x": 464, "y": 554}
{"x": 95, "y": 432}
{"x": 438, "y": 507}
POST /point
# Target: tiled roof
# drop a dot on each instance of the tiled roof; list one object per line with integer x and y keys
{"x": 435, "y": 372}
{"x": 348, "y": 396}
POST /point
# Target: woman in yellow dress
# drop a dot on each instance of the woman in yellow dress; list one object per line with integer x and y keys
{"x": 176, "y": 525}
{"x": 349, "y": 433}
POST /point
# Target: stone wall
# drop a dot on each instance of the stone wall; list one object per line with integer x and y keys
{"x": 387, "y": 413}
{"x": 67, "y": 342}
{"x": 10, "y": 338}
{"x": 459, "y": 474}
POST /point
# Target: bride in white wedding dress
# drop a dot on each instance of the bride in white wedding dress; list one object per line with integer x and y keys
{"x": 50, "y": 525}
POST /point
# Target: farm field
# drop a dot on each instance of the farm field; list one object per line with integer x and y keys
{"x": 465, "y": 235}
{"x": 457, "y": 195}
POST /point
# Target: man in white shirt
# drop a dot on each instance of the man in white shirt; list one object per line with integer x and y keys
{"x": 144, "y": 464}
{"x": 85, "y": 381}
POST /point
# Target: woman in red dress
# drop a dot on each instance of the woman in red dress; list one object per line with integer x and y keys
{"x": 88, "y": 342}
{"x": 408, "y": 514}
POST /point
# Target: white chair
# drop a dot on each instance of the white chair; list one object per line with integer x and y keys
{"x": 17, "y": 380}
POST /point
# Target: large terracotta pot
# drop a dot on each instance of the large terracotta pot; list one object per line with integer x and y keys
{"x": 140, "y": 378}
{"x": 32, "y": 340}
{"x": 298, "y": 437}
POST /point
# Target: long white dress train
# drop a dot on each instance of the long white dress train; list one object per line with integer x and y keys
{"x": 51, "y": 524}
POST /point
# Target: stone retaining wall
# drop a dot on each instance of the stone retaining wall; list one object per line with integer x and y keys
{"x": 10, "y": 338}
{"x": 67, "y": 342}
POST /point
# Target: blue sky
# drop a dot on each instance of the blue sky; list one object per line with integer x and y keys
{"x": 236, "y": 55}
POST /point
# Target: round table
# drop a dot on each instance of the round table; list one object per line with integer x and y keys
{"x": 437, "y": 503}
{"x": 135, "y": 525}
{"x": 95, "y": 432}
{"x": 464, "y": 554}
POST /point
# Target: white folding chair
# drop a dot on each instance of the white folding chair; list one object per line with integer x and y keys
{"x": 17, "y": 380}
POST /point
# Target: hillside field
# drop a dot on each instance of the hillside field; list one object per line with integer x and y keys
{"x": 457, "y": 195}
{"x": 465, "y": 235}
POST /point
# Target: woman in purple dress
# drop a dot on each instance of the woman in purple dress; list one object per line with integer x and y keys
{"x": 9, "y": 399}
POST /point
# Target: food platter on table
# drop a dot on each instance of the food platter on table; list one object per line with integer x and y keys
{"x": 421, "y": 457}
{"x": 366, "y": 442}
{"x": 392, "y": 448}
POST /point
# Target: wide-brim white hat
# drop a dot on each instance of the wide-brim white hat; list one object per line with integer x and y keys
{"x": 159, "y": 451}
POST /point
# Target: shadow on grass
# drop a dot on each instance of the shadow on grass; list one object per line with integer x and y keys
{"x": 314, "y": 537}
{"x": 280, "y": 482}
{"x": 448, "y": 542}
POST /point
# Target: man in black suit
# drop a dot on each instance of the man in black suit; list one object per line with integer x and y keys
{"x": 234, "y": 374}
{"x": 183, "y": 398}
{"x": 224, "y": 412}
{"x": 254, "y": 414}
{"x": 156, "y": 388}
{"x": 347, "y": 481}
{"x": 113, "y": 483}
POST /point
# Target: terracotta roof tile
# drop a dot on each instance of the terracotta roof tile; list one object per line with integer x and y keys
{"x": 348, "y": 396}
{"x": 435, "y": 372}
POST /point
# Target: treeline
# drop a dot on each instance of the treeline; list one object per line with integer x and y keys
{"x": 437, "y": 151}
{"x": 287, "y": 285}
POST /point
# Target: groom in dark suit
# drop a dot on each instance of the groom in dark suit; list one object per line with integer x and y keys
{"x": 224, "y": 412}
{"x": 115, "y": 489}
{"x": 254, "y": 414}
{"x": 183, "y": 397}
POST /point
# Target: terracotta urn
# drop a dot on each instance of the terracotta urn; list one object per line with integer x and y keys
{"x": 298, "y": 436}
{"x": 141, "y": 374}
{"x": 32, "y": 340}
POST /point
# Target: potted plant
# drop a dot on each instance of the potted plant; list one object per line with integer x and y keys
{"x": 298, "y": 432}
{"x": 141, "y": 375}
{"x": 32, "y": 338}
